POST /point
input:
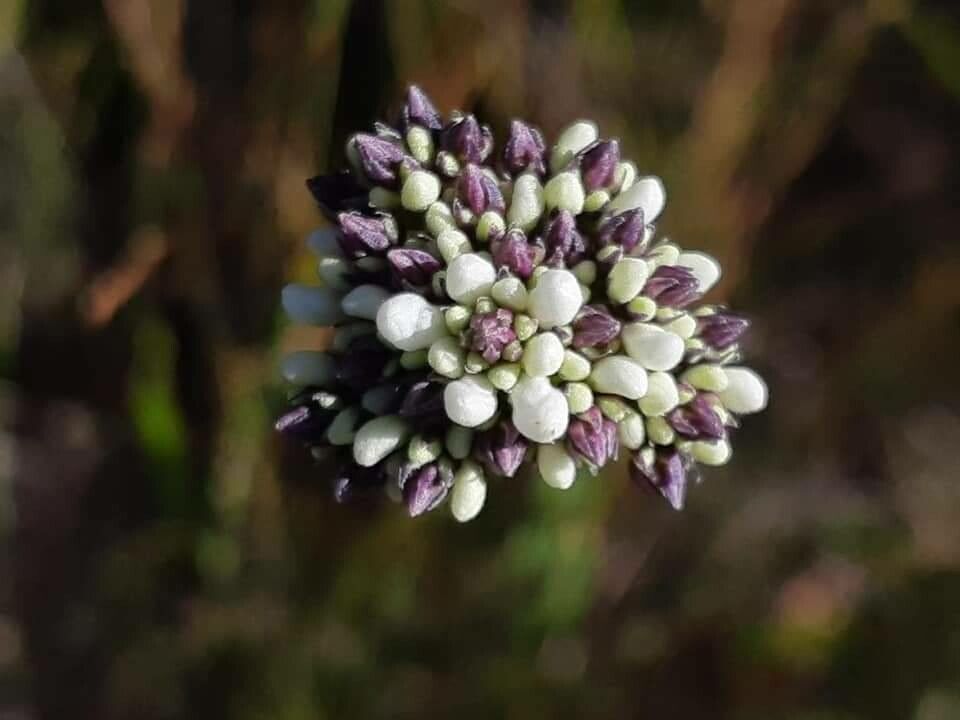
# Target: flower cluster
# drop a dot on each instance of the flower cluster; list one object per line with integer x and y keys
{"x": 497, "y": 307}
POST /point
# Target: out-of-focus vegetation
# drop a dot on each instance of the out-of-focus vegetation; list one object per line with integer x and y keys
{"x": 165, "y": 556}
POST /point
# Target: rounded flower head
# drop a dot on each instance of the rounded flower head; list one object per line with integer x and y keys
{"x": 497, "y": 308}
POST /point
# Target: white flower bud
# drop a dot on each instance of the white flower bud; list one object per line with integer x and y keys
{"x": 504, "y": 376}
{"x": 556, "y": 467}
{"x": 596, "y": 200}
{"x": 625, "y": 176}
{"x": 704, "y": 268}
{"x": 470, "y": 277}
{"x": 469, "y": 492}
{"x": 652, "y": 347}
{"x": 307, "y": 367}
{"x": 540, "y": 410}
{"x": 631, "y": 431}
{"x": 683, "y": 325}
{"x": 571, "y": 141}
{"x": 421, "y": 451}
{"x": 664, "y": 254}
{"x": 647, "y": 193}
{"x": 311, "y": 305}
{"x": 420, "y": 190}
{"x": 470, "y": 401}
{"x": 383, "y": 199}
{"x": 642, "y": 308}
{"x": 575, "y": 366}
{"x": 564, "y": 191}
{"x": 489, "y": 223}
{"x": 324, "y": 243}
{"x": 579, "y": 397}
{"x": 438, "y": 218}
{"x": 364, "y": 301}
{"x": 457, "y": 318}
{"x": 542, "y": 355}
{"x": 408, "y": 322}
{"x": 342, "y": 429}
{"x": 452, "y": 244}
{"x": 459, "y": 442}
{"x": 711, "y": 378}
{"x": 446, "y": 357}
{"x": 378, "y": 438}
{"x": 585, "y": 272}
{"x": 619, "y": 375}
{"x": 556, "y": 299}
{"x": 510, "y": 292}
{"x": 526, "y": 203}
{"x": 659, "y": 431}
{"x": 662, "y": 395}
{"x": 746, "y": 392}
{"x": 711, "y": 452}
{"x": 420, "y": 142}
{"x": 627, "y": 279}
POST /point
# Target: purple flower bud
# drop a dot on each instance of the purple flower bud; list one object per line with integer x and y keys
{"x": 722, "y": 329}
{"x": 564, "y": 245}
{"x": 598, "y": 164}
{"x": 418, "y": 110}
{"x": 594, "y": 326}
{"x": 513, "y": 252}
{"x": 667, "y": 473}
{"x": 362, "y": 365}
{"x": 501, "y": 449}
{"x": 524, "y": 149}
{"x": 594, "y": 438}
{"x": 491, "y": 332}
{"x": 414, "y": 268}
{"x": 698, "y": 419}
{"x": 379, "y": 158}
{"x": 306, "y": 422}
{"x": 479, "y": 191}
{"x": 425, "y": 488}
{"x": 336, "y": 193}
{"x": 423, "y": 405}
{"x": 353, "y": 482}
{"x": 672, "y": 286}
{"x": 467, "y": 140}
{"x": 361, "y": 235}
{"x": 625, "y": 230}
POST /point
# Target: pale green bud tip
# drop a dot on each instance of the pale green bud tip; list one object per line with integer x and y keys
{"x": 510, "y": 292}
{"x": 631, "y": 432}
{"x": 504, "y": 376}
{"x": 469, "y": 492}
{"x": 420, "y": 190}
{"x": 421, "y": 451}
{"x": 627, "y": 279}
{"x": 447, "y": 358}
{"x": 408, "y": 322}
{"x": 647, "y": 194}
{"x": 439, "y": 218}
{"x": 704, "y": 268}
{"x": 659, "y": 431}
{"x": 556, "y": 467}
{"x": 564, "y": 191}
{"x": 420, "y": 142}
{"x": 525, "y": 327}
{"x": 711, "y": 452}
{"x": 470, "y": 277}
{"x": 543, "y": 355}
{"x": 572, "y": 140}
{"x": 579, "y": 397}
{"x": 662, "y": 395}
{"x": 452, "y": 244}
{"x": 527, "y": 204}
{"x": 470, "y": 401}
{"x": 488, "y": 224}
{"x": 556, "y": 299}
{"x": 575, "y": 366}
{"x": 711, "y": 378}
{"x": 457, "y": 318}
{"x": 384, "y": 199}
{"x": 642, "y": 308}
{"x": 413, "y": 360}
{"x": 377, "y": 439}
{"x": 652, "y": 347}
{"x": 618, "y": 375}
{"x": 746, "y": 392}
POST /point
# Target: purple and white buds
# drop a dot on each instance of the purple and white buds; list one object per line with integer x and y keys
{"x": 513, "y": 252}
{"x": 467, "y": 140}
{"x": 625, "y": 230}
{"x": 425, "y": 488}
{"x": 479, "y": 191}
{"x": 414, "y": 268}
{"x": 491, "y": 332}
{"x": 501, "y": 449}
{"x": 722, "y": 329}
{"x": 594, "y": 438}
{"x": 379, "y": 158}
{"x": 672, "y": 286}
{"x": 598, "y": 165}
{"x": 361, "y": 235}
{"x": 595, "y": 327}
{"x": 564, "y": 245}
{"x": 698, "y": 419}
{"x": 524, "y": 150}
{"x": 665, "y": 471}
{"x": 418, "y": 110}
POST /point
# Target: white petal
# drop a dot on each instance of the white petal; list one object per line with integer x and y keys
{"x": 704, "y": 268}
{"x": 408, "y": 322}
{"x": 469, "y": 492}
{"x": 542, "y": 355}
{"x": 470, "y": 277}
{"x": 662, "y": 395}
{"x": 307, "y": 367}
{"x": 647, "y": 193}
{"x": 652, "y": 347}
{"x": 378, "y": 438}
{"x": 619, "y": 375}
{"x": 540, "y": 410}
{"x": 470, "y": 401}
{"x": 556, "y": 467}
{"x": 746, "y": 392}
{"x": 556, "y": 299}
{"x": 311, "y": 305}
{"x": 364, "y": 301}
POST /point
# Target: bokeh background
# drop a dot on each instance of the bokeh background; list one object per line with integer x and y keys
{"x": 165, "y": 556}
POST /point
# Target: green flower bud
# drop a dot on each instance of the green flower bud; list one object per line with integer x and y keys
{"x": 504, "y": 376}
{"x": 543, "y": 355}
{"x": 526, "y": 204}
{"x": 413, "y": 360}
{"x": 469, "y": 492}
{"x": 596, "y": 201}
{"x": 439, "y": 218}
{"x": 452, "y": 244}
{"x": 420, "y": 191}
{"x": 421, "y": 451}
{"x": 343, "y": 428}
{"x": 420, "y": 143}
{"x": 626, "y": 280}
{"x": 510, "y": 292}
{"x": 447, "y": 358}
{"x": 525, "y": 327}
{"x": 475, "y": 363}
{"x": 447, "y": 165}
{"x": 711, "y": 452}
{"x": 631, "y": 431}
{"x": 662, "y": 395}
{"x": 614, "y": 408}
{"x": 572, "y": 140}
{"x": 585, "y": 272}
{"x": 625, "y": 176}
{"x": 378, "y": 438}
{"x": 711, "y": 378}
{"x": 489, "y": 224}
{"x": 457, "y": 318}
{"x": 575, "y": 367}
{"x": 564, "y": 191}
{"x": 579, "y": 397}
{"x": 659, "y": 431}
{"x": 642, "y": 308}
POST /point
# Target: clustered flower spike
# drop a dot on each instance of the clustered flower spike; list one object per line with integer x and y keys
{"x": 501, "y": 307}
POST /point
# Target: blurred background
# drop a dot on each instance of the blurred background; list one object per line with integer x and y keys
{"x": 165, "y": 556}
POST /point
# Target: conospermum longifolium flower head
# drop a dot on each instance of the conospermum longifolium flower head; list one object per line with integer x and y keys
{"x": 502, "y": 306}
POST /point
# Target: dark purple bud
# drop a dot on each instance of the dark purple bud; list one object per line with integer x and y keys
{"x": 414, "y": 268}
{"x": 336, "y": 193}
{"x": 379, "y": 158}
{"x": 491, "y": 332}
{"x": 501, "y": 449}
{"x": 361, "y": 235}
{"x": 672, "y": 286}
{"x": 594, "y": 437}
{"x": 354, "y": 482}
{"x": 425, "y": 488}
{"x": 564, "y": 245}
{"x": 598, "y": 164}
{"x": 306, "y": 422}
{"x": 513, "y": 252}
{"x": 667, "y": 473}
{"x": 698, "y": 419}
{"x": 524, "y": 149}
{"x": 467, "y": 140}
{"x": 722, "y": 329}
{"x": 423, "y": 404}
{"x": 625, "y": 230}
{"x": 594, "y": 326}
{"x": 362, "y": 365}
{"x": 418, "y": 110}
{"x": 479, "y": 191}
